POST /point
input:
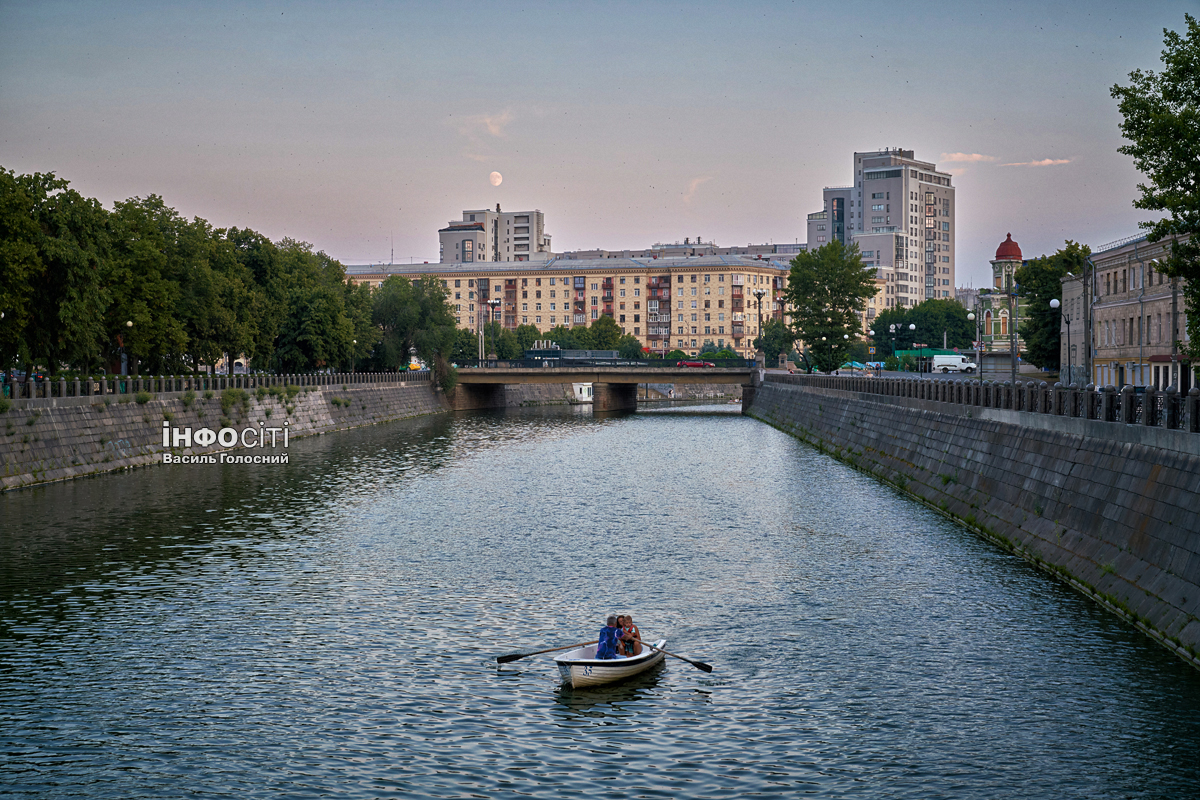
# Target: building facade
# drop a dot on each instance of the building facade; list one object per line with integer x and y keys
{"x": 1138, "y": 317}
{"x": 667, "y": 303}
{"x": 999, "y": 310}
{"x": 485, "y": 235}
{"x": 910, "y": 202}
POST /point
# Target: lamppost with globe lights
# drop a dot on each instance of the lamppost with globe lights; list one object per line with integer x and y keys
{"x": 912, "y": 329}
{"x": 978, "y": 343}
{"x": 759, "y": 294}
{"x": 871, "y": 333}
{"x": 1054, "y": 304}
{"x": 121, "y": 339}
{"x": 494, "y": 303}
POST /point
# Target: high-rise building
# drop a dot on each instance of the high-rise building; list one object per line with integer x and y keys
{"x": 902, "y": 208}
{"x": 485, "y": 235}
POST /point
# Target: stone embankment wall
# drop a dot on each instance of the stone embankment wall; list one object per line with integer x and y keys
{"x": 1113, "y": 509}
{"x": 66, "y": 437}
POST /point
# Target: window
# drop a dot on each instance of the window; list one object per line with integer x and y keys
{"x": 524, "y": 306}
{"x": 637, "y": 292}
{"x": 622, "y": 292}
{"x": 877, "y": 207}
{"x": 595, "y": 313}
{"x": 637, "y": 317}
{"x": 622, "y": 318}
{"x": 595, "y": 287}
{"x": 538, "y": 320}
{"x": 537, "y": 306}
{"x": 552, "y": 307}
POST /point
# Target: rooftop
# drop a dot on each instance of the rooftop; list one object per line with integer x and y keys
{"x": 569, "y": 265}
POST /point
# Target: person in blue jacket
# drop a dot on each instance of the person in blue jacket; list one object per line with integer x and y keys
{"x": 607, "y": 647}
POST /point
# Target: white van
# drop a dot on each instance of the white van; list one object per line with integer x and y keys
{"x": 953, "y": 364}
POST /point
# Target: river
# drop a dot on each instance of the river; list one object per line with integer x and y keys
{"x": 330, "y": 627}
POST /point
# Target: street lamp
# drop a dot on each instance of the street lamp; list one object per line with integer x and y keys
{"x": 759, "y": 294}
{"x": 892, "y": 331}
{"x": 1054, "y": 304}
{"x": 978, "y": 344}
{"x": 494, "y": 303}
{"x": 124, "y": 362}
{"x": 912, "y": 327}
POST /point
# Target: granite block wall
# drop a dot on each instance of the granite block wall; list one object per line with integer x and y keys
{"x": 44, "y": 441}
{"x": 1117, "y": 519}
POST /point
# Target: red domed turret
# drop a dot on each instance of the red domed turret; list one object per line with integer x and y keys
{"x": 1008, "y": 250}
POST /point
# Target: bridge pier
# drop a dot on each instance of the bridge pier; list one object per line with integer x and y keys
{"x": 614, "y": 397}
{"x": 474, "y": 396}
{"x": 748, "y": 390}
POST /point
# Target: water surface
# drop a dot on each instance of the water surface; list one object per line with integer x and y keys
{"x": 331, "y": 626}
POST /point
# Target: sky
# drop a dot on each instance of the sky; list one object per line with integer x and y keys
{"x": 363, "y": 127}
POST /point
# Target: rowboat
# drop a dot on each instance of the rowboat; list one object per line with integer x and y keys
{"x": 580, "y": 667}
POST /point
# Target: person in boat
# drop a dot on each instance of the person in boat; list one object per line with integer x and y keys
{"x": 609, "y": 645}
{"x": 630, "y": 636}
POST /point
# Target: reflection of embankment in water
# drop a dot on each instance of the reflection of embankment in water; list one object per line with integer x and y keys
{"x": 700, "y": 408}
{"x": 599, "y": 700}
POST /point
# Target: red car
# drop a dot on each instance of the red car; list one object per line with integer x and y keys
{"x": 696, "y": 364}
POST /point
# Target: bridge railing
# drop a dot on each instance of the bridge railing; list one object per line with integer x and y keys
{"x": 1150, "y": 407}
{"x": 569, "y": 363}
{"x": 42, "y": 391}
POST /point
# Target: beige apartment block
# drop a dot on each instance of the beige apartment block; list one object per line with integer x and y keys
{"x": 909, "y": 201}
{"x": 1138, "y": 316}
{"x": 485, "y": 235}
{"x": 667, "y": 303}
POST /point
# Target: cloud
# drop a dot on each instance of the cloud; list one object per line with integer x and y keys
{"x": 495, "y": 124}
{"x": 957, "y": 171}
{"x": 1045, "y": 162}
{"x": 967, "y": 158}
{"x": 693, "y": 186}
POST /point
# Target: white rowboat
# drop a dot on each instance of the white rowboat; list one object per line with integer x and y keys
{"x": 580, "y": 667}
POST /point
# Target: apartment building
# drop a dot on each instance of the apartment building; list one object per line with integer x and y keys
{"x": 903, "y": 208}
{"x": 667, "y": 303}
{"x": 485, "y": 235}
{"x": 1138, "y": 315}
{"x": 689, "y": 248}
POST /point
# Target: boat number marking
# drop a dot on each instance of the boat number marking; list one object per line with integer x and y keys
{"x": 587, "y": 670}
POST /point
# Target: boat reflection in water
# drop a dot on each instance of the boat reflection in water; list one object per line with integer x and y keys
{"x": 599, "y": 700}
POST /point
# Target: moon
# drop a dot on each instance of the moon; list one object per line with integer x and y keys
{"x": 496, "y": 178}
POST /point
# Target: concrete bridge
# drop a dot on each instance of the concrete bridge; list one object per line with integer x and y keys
{"x": 613, "y": 388}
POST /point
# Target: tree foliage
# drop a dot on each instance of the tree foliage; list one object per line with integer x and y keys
{"x": 1040, "y": 280}
{"x": 828, "y": 288}
{"x": 80, "y": 286}
{"x": 932, "y": 317}
{"x": 775, "y": 338}
{"x": 1162, "y": 123}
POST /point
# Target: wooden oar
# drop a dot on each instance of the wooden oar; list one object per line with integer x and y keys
{"x": 696, "y": 664}
{"x": 515, "y": 656}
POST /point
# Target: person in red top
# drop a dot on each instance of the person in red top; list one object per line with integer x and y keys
{"x": 630, "y": 632}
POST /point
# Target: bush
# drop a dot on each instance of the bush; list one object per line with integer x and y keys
{"x": 232, "y": 397}
{"x": 188, "y": 398}
{"x": 891, "y": 363}
{"x": 5, "y": 404}
{"x": 142, "y": 398}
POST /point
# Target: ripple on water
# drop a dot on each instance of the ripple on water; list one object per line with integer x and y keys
{"x": 331, "y": 627}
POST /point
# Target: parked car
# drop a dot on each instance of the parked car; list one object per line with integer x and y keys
{"x": 696, "y": 364}
{"x": 954, "y": 363}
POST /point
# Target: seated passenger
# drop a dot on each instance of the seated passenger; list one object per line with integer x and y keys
{"x": 609, "y": 644}
{"x": 629, "y": 635}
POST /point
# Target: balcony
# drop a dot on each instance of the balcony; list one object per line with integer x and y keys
{"x": 739, "y": 280}
{"x": 738, "y": 331}
{"x": 738, "y": 291}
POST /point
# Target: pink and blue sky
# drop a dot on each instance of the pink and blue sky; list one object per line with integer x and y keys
{"x": 349, "y": 124}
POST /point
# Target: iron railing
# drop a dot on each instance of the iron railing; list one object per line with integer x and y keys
{"x": 1147, "y": 407}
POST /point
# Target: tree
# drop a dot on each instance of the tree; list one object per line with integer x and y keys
{"x": 605, "y": 333}
{"x": 938, "y": 319}
{"x": 675, "y": 355}
{"x": 1162, "y": 124}
{"x": 628, "y": 347}
{"x": 827, "y": 289}
{"x": 1041, "y": 281}
{"x": 22, "y": 264}
{"x": 527, "y": 335}
{"x": 775, "y": 339}
{"x": 466, "y": 345}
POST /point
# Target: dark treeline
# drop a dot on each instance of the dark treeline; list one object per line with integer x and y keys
{"x": 80, "y": 285}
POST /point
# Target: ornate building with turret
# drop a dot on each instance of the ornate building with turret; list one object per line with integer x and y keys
{"x": 999, "y": 310}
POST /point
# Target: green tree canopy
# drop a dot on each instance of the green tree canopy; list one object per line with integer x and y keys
{"x": 1162, "y": 123}
{"x": 605, "y": 333}
{"x": 629, "y": 347}
{"x": 776, "y": 338}
{"x": 1040, "y": 280}
{"x": 827, "y": 289}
